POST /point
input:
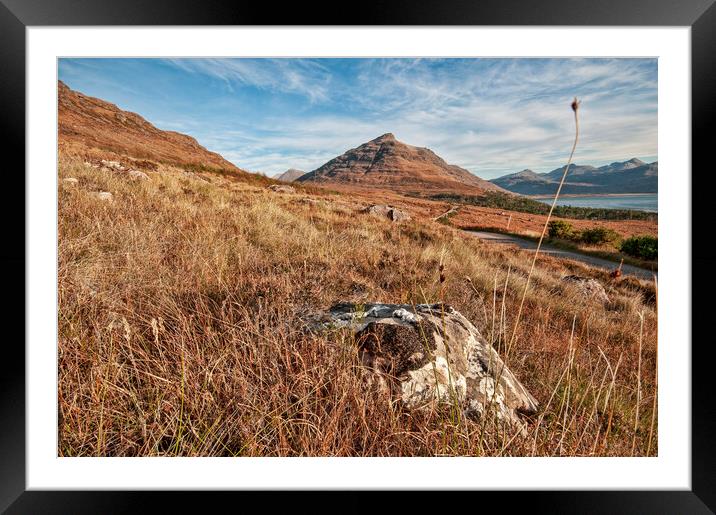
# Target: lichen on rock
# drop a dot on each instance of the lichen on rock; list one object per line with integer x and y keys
{"x": 430, "y": 353}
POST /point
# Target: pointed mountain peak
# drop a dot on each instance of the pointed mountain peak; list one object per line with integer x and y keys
{"x": 388, "y": 136}
{"x": 290, "y": 175}
{"x": 387, "y": 163}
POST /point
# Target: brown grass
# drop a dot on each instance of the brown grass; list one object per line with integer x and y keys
{"x": 180, "y": 330}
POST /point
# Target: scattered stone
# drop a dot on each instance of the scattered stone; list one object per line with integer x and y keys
{"x": 70, "y": 181}
{"x": 429, "y": 354}
{"x": 137, "y": 175}
{"x": 588, "y": 288}
{"x": 105, "y": 196}
{"x": 447, "y": 214}
{"x": 282, "y": 188}
{"x": 114, "y": 165}
{"x": 194, "y": 176}
{"x": 391, "y": 213}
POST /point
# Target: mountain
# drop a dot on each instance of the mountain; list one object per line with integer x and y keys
{"x": 387, "y": 163}
{"x": 632, "y": 176}
{"x": 87, "y": 124}
{"x": 289, "y": 175}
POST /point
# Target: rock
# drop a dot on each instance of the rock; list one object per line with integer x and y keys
{"x": 105, "y": 196}
{"x": 115, "y": 165}
{"x": 588, "y": 288}
{"x": 282, "y": 188}
{"x": 309, "y": 201}
{"x": 391, "y": 213}
{"x": 195, "y": 176}
{"x": 431, "y": 353}
{"x": 70, "y": 181}
{"x": 136, "y": 175}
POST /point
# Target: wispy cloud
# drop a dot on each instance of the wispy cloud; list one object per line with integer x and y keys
{"x": 303, "y": 77}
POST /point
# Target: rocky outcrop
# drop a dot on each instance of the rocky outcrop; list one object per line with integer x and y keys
{"x": 430, "y": 353}
{"x": 115, "y": 166}
{"x": 105, "y": 196}
{"x": 391, "y": 213}
{"x": 282, "y": 188}
{"x": 136, "y": 175}
{"x": 588, "y": 288}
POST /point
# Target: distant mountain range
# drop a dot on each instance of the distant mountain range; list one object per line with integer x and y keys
{"x": 88, "y": 125}
{"x": 387, "y": 163}
{"x": 289, "y": 175}
{"x": 632, "y": 176}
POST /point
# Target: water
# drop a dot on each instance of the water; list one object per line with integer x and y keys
{"x": 641, "y": 201}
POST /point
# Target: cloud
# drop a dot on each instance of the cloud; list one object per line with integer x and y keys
{"x": 491, "y": 116}
{"x": 303, "y": 77}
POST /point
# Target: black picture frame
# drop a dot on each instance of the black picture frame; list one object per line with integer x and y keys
{"x": 17, "y": 15}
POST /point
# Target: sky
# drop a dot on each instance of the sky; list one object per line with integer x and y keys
{"x": 490, "y": 116}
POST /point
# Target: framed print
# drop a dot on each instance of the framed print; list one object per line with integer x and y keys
{"x": 417, "y": 252}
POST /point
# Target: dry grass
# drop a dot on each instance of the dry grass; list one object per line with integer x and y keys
{"x": 180, "y": 328}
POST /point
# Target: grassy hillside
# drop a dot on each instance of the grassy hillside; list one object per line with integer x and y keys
{"x": 180, "y": 331}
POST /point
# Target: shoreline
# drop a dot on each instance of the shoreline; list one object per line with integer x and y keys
{"x": 581, "y": 195}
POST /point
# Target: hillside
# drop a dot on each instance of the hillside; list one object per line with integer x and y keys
{"x": 632, "y": 176}
{"x": 87, "y": 125}
{"x": 185, "y": 303}
{"x": 181, "y": 328}
{"x": 387, "y": 163}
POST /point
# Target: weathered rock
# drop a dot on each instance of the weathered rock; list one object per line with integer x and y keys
{"x": 114, "y": 165}
{"x": 105, "y": 196}
{"x": 136, "y": 175}
{"x": 70, "y": 181}
{"x": 588, "y": 288}
{"x": 195, "y": 176}
{"x": 282, "y": 188}
{"x": 431, "y": 353}
{"x": 391, "y": 213}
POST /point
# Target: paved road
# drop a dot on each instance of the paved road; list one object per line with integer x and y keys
{"x": 549, "y": 250}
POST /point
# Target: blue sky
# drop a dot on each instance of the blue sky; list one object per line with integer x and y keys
{"x": 491, "y": 116}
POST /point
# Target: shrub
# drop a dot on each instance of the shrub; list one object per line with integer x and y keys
{"x": 599, "y": 235}
{"x": 559, "y": 229}
{"x": 643, "y": 247}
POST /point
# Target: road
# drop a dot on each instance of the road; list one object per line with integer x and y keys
{"x": 549, "y": 250}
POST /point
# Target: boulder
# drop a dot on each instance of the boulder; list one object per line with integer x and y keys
{"x": 70, "y": 181}
{"x": 113, "y": 165}
{"x": 104, "y": 196}
{"x": 391, "y": 213}
{"x": 588, "y": 288}
{"x": 282, "y": 188}
{"x": 136, "y": 175}
{"x": 195, "y": 176}
{"x": 430, "y": 354}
